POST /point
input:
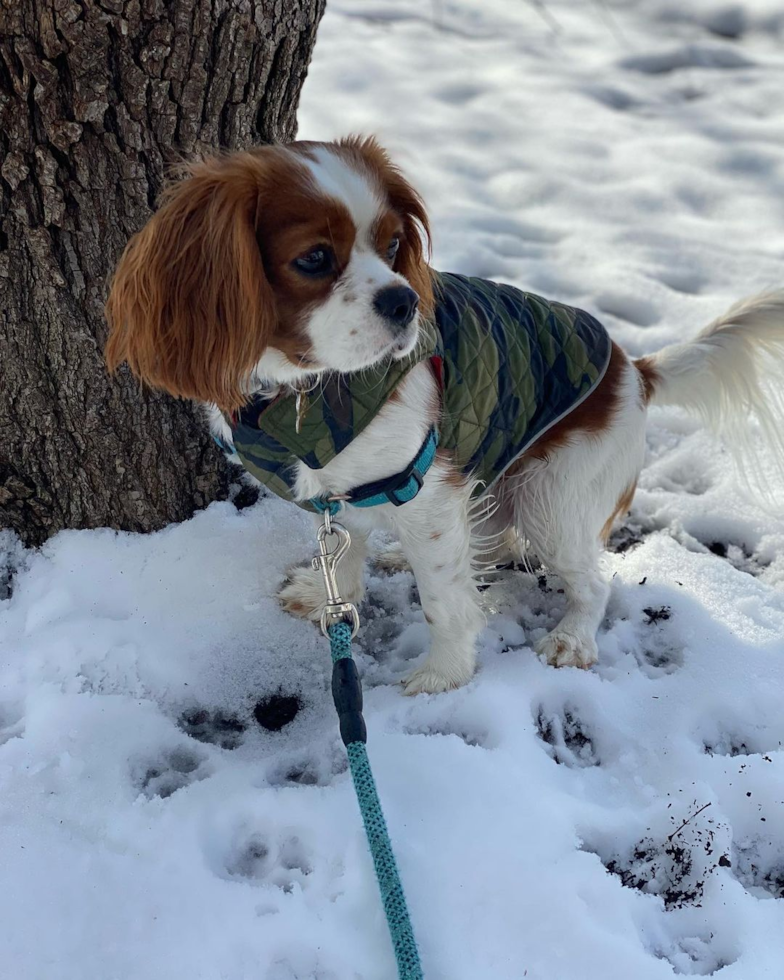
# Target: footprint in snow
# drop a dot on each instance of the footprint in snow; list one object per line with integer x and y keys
{"x": 663, "y": 868}
{"x": 213, "y": 727}
{"x": 733, "y": 743}
{"x": 264, "y": 859}
{"x": 677, "y": 475}
{"x": 389, "y": 606}
{"x": 739, "y": 555}
{"x": 758, "y": 865}
{"x": 469, "y": 734}
{"x": 658, "y": 659}
{"x": 567, "y": 739}
{"x": 274, "y": 711}
{"x": 646, "y": 635}
{"x": 173, "y": 770}
{"x": 309, "y": 769}
{"x": 629, "y": 535}
{"x": 674, "y": 866}
{"x": 694, "y": 484}
{"x": 695, "y": 955}
{"x": 380, "y": 631}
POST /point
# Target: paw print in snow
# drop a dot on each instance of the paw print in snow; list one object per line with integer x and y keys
{"x": 214, "y": 728}
{"x": 266, "y": 860}
{"x": 567, "y": 738}
{"x": 173, "y": 770}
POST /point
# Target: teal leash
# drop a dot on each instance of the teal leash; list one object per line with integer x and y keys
{"x": 347, "y": 694}
{"x": 340, "y": 623}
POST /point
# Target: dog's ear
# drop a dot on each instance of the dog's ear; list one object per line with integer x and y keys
{"x": 190, "y": 308}
{"x": 412, "y": 257}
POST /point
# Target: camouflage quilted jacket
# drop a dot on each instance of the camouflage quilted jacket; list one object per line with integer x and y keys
{"x": 510, "y": 365}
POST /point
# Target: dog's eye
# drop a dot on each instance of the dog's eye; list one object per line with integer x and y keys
{"x": 317, "y": 262}
{"x": 394, "y": 245}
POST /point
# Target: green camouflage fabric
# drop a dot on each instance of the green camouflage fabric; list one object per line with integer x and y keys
{"x": 514, "y": 364}
{"x": 341, "y": 406}
{"x": 510, "y": 365}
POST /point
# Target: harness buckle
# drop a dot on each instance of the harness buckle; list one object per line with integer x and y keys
{"x": 411, "y": 473}
{"x": 335, "y": 610}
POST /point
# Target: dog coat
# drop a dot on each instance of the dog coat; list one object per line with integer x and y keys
{"x": 509, "y": 365}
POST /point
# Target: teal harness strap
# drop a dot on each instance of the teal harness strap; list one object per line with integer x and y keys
{"x": 347, "y": 694}
{"x": 397, "y": 489}
{"x": 402, "y": 487}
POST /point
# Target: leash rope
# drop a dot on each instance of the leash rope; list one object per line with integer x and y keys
{"x": 347, "y": 694}
{"x": 340, "y": 622}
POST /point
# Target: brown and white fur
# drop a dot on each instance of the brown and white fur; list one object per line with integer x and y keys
{"x": 209, "y": 303}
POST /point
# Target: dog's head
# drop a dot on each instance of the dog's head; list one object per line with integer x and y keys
{"x": 271, "y": 265}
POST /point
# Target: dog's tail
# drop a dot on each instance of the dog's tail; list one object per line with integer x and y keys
{"x": 732, "y": 371}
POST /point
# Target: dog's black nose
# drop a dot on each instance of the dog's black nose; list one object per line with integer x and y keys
{"x": 397, "y": 305}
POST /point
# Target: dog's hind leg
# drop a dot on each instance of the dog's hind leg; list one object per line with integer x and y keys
{"x": 565, "y": 502}
{"x": 391, "y": 558}
{"x": 573, "y": 641}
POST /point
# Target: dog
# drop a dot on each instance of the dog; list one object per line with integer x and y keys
{"x": 287, "y": 288}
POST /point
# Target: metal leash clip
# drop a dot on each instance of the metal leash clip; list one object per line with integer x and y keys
{"x": 335, "y": 610}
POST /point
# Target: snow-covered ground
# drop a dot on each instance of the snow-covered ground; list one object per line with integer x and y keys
{"x": 627, "y": 157}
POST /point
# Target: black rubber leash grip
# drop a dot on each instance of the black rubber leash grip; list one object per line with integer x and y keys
{"x": 347, "y": 695}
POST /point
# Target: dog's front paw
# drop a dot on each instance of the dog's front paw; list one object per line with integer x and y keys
{"x": 562, "y": 649}
{"x": 302, "y": 594}
{"x": 433, "y": 679}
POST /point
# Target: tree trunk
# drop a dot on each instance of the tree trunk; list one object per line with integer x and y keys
{"x": 97, "y": 99}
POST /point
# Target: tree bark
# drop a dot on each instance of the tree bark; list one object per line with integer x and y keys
{"x": 97, "y": 99}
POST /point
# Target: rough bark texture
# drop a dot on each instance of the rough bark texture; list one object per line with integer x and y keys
{"x": 97, "y": 100}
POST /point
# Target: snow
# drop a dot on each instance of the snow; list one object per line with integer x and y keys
{"x": 623, "y": 157}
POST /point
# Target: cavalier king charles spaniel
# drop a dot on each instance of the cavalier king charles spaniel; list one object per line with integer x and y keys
{"x": 266, "y": 272}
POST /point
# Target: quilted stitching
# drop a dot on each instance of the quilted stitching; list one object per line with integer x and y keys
{"x": 513, "y": 364}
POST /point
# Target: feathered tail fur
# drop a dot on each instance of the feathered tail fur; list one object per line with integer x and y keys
{"x": 732, "y": 371}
